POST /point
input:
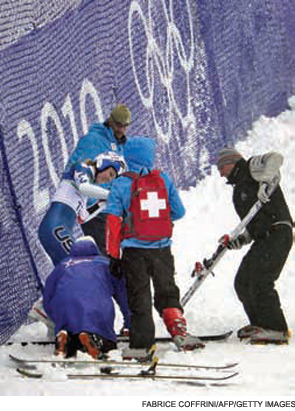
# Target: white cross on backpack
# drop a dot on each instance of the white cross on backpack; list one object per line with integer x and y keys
{"x": 153, "y": 204}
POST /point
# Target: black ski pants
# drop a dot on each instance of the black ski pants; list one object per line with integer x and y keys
{"x": 141, "y": 266}
{"x": 96, "y": 228}
{"x": 256, "y": 276}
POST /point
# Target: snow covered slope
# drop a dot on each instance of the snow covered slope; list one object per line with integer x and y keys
{"x": 264, "y": 370}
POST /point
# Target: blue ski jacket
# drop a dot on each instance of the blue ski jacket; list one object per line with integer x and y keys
{"x": 100, "y": 138}
{"x": 139, "y": 153}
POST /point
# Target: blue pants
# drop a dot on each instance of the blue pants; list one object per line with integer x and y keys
{"x": 56, "y": 231}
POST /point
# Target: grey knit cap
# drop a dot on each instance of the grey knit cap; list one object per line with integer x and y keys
{"x": 228, "y": 155}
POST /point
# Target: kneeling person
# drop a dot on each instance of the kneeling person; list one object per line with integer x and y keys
{"x": 78, "y": 299}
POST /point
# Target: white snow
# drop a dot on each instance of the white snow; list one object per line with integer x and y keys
{"x": 266, "y": 372}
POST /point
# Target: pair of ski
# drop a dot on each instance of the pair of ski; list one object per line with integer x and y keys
{"x": 112, "y": 369}
{"x": 123, "y": 339}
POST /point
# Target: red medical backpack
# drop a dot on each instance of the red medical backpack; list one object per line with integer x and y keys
{"x": 149, "y": 209}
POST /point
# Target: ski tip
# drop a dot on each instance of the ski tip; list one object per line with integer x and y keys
{"x": 22, "y": 363}
{"x": 27, "y": 373}
{"x": 235, "y": 374}
{"x": 13, "y": 358}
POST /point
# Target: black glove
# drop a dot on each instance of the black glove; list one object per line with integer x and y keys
{"x": 237, "y": 243}
{"x": 116, "y": 267}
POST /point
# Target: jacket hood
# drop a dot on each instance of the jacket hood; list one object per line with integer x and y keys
{"x": 139, "y": 152}
{"x": 84, "y": 246}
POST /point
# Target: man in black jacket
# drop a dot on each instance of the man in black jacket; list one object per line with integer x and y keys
{"x": 270, "y": 232}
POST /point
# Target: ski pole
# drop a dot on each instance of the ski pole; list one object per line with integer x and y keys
{"x": 208, "y": 265}
{"x": 94, "y": 214}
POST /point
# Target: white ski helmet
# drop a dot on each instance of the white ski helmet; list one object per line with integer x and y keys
{"x": 110, "y": 159}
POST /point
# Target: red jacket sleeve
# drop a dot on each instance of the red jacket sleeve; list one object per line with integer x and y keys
{"x": 113, "y": 235}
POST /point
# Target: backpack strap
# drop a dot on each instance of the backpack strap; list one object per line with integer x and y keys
{"x": 131, "y": 174}
{"x": 135, "y": 176}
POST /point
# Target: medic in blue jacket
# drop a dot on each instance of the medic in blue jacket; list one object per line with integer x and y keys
{"x": 144, "y": 260}
{"x": 139, "y": 153}
{"x": 101, "y": 137}
{"x": 107, "y": 136}
{"x": 78, "y": 299}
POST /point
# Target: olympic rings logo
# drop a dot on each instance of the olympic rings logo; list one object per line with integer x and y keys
{"x": 162, "y": 64}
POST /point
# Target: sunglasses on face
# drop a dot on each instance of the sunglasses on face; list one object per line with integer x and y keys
{"x": 119, "y": 124}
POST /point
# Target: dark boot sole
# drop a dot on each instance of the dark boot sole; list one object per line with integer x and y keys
{"x": 192, "y": 347}
{"x": 267, "y": 342}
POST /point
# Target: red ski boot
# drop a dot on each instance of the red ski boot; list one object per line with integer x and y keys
{"x": 176, "y": 325}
